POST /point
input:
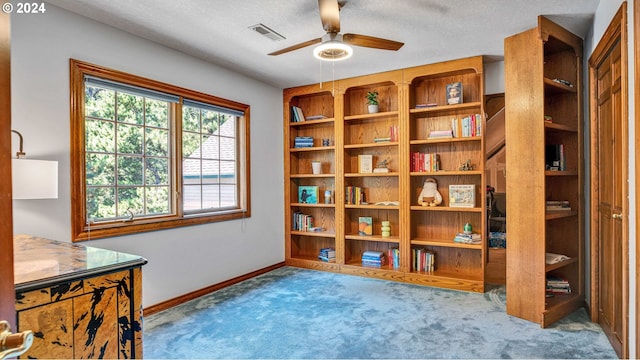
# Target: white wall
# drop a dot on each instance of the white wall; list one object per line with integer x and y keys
{"x": 605, "y": 12}
{"x": 180, "y": 260}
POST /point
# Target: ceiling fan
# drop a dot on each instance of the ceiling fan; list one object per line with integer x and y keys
{"x": 335, "y": 46}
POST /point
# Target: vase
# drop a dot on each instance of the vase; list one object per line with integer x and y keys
{"x": 373, "y": 109}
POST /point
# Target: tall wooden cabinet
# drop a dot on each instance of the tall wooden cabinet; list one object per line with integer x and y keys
{"x": 413, "y": 102}
{"x": 543, "y": 104}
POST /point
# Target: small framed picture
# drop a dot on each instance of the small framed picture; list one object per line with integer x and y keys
{"x": 308, "y": 194}
{"x": 454, "y": 93}
{"x": 462, "y": 196}
{"x": 365, "y": 164}
{"x": 365, "y": 225}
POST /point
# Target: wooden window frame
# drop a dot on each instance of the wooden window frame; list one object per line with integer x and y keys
{"x": 81, "y": 231}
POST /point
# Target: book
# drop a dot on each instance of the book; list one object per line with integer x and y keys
{"x": 365, "y": 164}
{"x": 439, "y": 134}
{"x": 462, "y": 196}
{"x": 308, "y": 194}
{"x": 365, "y": 225}
{"x": 454, "y": 93}
{"x": 558, "y": 205}
{"x": 468, "y": 238}
{"x": 551, "y": 258}
{"x": 316, "y": 117}
{"x": 388, "y": 203}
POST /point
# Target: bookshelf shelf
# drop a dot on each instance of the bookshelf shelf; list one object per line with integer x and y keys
{"x": 552, "y": 87}
{"x": 446, "y": 173}
{"x": 312, "y": 122}
{"x": 552, "y": 215}
{"x": 390, "y": 239}
{"x": 446, "y": 208}
{"x": 378, "y": 115}
{"x": 371, "y": 145}
{"x": 356, "y": 175}
{"x": 354, "y": 135}
{"x": 312, "y": 149}
{"x": 561, "y": 173}
{"x": 560, "y": 127}
{"x": 446, "y": 108}
{"x": 445, "y": 243}
{"x": 445, "y": 140}
{"x": 551, "y": 267}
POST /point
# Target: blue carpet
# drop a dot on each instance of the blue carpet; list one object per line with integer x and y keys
{"x": 303, "y": 314}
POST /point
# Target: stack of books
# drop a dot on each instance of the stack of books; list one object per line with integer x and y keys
{"x": 441, "y": 134}
{"x": 302, "y": 222}
{"x": 303, "y": 142}
{"x": 393, "y": 255}
{"x": 354, "y": 195}
{"x": 424, "y": 162}
{"x": 558, "y": 205}
{"x": 467, "y": 126}
{"x": 373, "y": 258}
{"x": 327, "y": 255}
{"x": 556, "y": 285}
{"x": 423, "y": 260}
{"x": 296, "y": 114}
{"x": 468, "y": 238}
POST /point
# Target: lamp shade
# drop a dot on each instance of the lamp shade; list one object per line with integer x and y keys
{"x": 34, "y": 179}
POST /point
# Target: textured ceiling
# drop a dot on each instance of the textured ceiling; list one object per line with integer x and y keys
{"x": 432, "y": 30}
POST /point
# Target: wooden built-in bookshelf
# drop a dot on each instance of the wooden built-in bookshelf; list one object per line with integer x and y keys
{"x": 537, "y": 62}
{"x": 355, "y": 132}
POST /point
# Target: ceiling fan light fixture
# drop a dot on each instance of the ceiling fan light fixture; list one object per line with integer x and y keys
{"x": 332, "y": 51}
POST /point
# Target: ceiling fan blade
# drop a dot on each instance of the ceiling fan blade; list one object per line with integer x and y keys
{"x": 296, "y": 46}
{"x": 371, "y": 42}
{"x": 330, "y": 15}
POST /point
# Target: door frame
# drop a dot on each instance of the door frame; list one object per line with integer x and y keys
{"x": 636, "y": 17}
{"x": 617, "y": 29}
{"x": 7, "y": 286}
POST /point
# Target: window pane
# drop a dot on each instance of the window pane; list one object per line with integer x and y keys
{"x": 157, "y": 113}
{"x": 191, "y": 196}
{"x": 190, "y": 119}
{"x": 99, "y": 136}
{"x": 228, "y": 126}
{"x": 158, "y": 200}
{"x": 191, "y": 171}
{"x": 190, "y": 145}
{"x": 101, "y": 203}
{"x": 228, "y": 196}
{"x": 210, "y": 196}
{"x": 210, "y": 147}
{"x": 130, "y": 199}
{"x": 130, "y": 108}
{"x": 227, "y": 148}
{"x": 130, "y": 139}
{"x": 129, "y": 170}
{"x": 100, "y": 169}
{"x": 157, "y": 171}
{"x": 209, "y": 121}
{"x": 157, "y": 142}
{"x": 210, "y": 171}
{"x": 228, "y": 172}
{"x": 99, "y": 102}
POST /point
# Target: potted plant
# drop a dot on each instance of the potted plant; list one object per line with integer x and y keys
{"x": 372, "y": 101}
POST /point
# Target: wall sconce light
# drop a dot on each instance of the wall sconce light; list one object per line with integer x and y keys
{"x": 33, "y": 179}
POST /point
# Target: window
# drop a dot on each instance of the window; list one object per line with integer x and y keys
{"x": 149, "y": 156}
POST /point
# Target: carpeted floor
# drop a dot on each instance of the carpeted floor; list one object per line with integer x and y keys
{"x": 303, "y": 314}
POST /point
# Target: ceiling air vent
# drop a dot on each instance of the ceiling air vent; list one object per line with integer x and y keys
{"x": 265, "y": 31}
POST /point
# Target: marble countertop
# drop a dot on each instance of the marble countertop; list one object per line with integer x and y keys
{"x": 40, "y": 262}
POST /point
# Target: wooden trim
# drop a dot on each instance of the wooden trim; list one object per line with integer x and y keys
{"x": 7, "y": 300}
{"x": 617, "y": 30}
{"x": 207, "y": 290}
{"x": 636, "y": 17}
{"x": 79, "y": 230}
